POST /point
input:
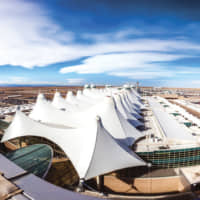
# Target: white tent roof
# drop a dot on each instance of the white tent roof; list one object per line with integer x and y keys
{"x": 112, "y": 119}
{"x": 134, "y": 99}
{"x": 135, "y": 93}
{"x": 128, "y": 108}
{"x": 93, "y": 93}
{"x": 80, "y": 96}
{"x": 92, "y": 150}
{"x": 72, "y": 99}
{"x": 60, "y": 103}
{"x": 132, "y": 104}
{"x": 114, "y": 122}
{"x": 70, "y": 96}
{"x": 45, "y": 112}
{"x": 124, "y": 112}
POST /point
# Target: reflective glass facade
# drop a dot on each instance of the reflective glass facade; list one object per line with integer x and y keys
{"x": 35, "y": 159}
{"x": 172, "y": 158}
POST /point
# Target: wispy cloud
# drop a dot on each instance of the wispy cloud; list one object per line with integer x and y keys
{"x": 30, "y": 38}
{"x": 132, "y": 65}
{"x": 27, "y": 81}
{"x": 75, "y": 81}
{"x": 10, "y": 82}
{"x": 142, "y": 74}
{"x": 113, "y": 36}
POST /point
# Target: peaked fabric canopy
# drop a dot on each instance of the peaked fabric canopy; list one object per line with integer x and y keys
{"x": 112, "y": 119}
{"x": 132, "y": 104}
{"x": 125, "y": 113}
{"x": 80, "y": 96}
{"x": 92, "y": 150}
{"x": 45, "y": 112}
{"x": 135, "y": 98}
{"x": 128, "y": 108}
{"x": 60, "y": 103}
{"x": 114, "y": 122}
{"x": 72, "y": 99}
{"x": 94, "y": 93}
{"x": 70, "y": 96}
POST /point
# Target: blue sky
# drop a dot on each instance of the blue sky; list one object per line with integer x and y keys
{"x": 73, "y": 42}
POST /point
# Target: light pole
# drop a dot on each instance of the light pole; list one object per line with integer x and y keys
{"x": 149, "y": 165}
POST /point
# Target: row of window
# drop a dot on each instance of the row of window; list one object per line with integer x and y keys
{"x": 172, "y": 159}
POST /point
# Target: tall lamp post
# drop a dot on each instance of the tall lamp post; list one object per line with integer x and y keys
{"x": 149, "y": 165}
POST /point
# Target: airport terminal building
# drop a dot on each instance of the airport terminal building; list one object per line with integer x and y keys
{"x": 117, "y": 142}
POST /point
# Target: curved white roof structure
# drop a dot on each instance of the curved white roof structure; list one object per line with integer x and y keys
{"x": 125, "y": 113}
{"x": 98, "y": 94}
{"x": 112, "y": 119}
{"x": 45, "y": 112}
{"x": 114, "y": 122}
{"x": 93, "y": 93}
{"x": 70, "y": 96}
{"x": 40, "y": 97}
{"x": 133, "y": 105}
{"x": 60, "y": 103}
{"x": 72, "y": 99}
{"x": 171, "y": 128}
{"x": 135, "y": 93}
{"x": 128, "y": 108}
{"x": 92, "y": 150}
{"x": 80, "y": 96}
{"x": 134, "y": 97}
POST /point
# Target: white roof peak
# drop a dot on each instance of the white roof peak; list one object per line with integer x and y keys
{"x": 86, "y": 147}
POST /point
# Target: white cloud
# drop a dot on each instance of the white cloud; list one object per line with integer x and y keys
{"x": 140, "y": 65}
{"x": 145, "y": 74}
{"x": 75, "y": 81}
{"x": 118, "y": 35}
{"x": 136, "y": 45}
{"x": 29, "y": 38}
{"x": 26, "y": 81}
